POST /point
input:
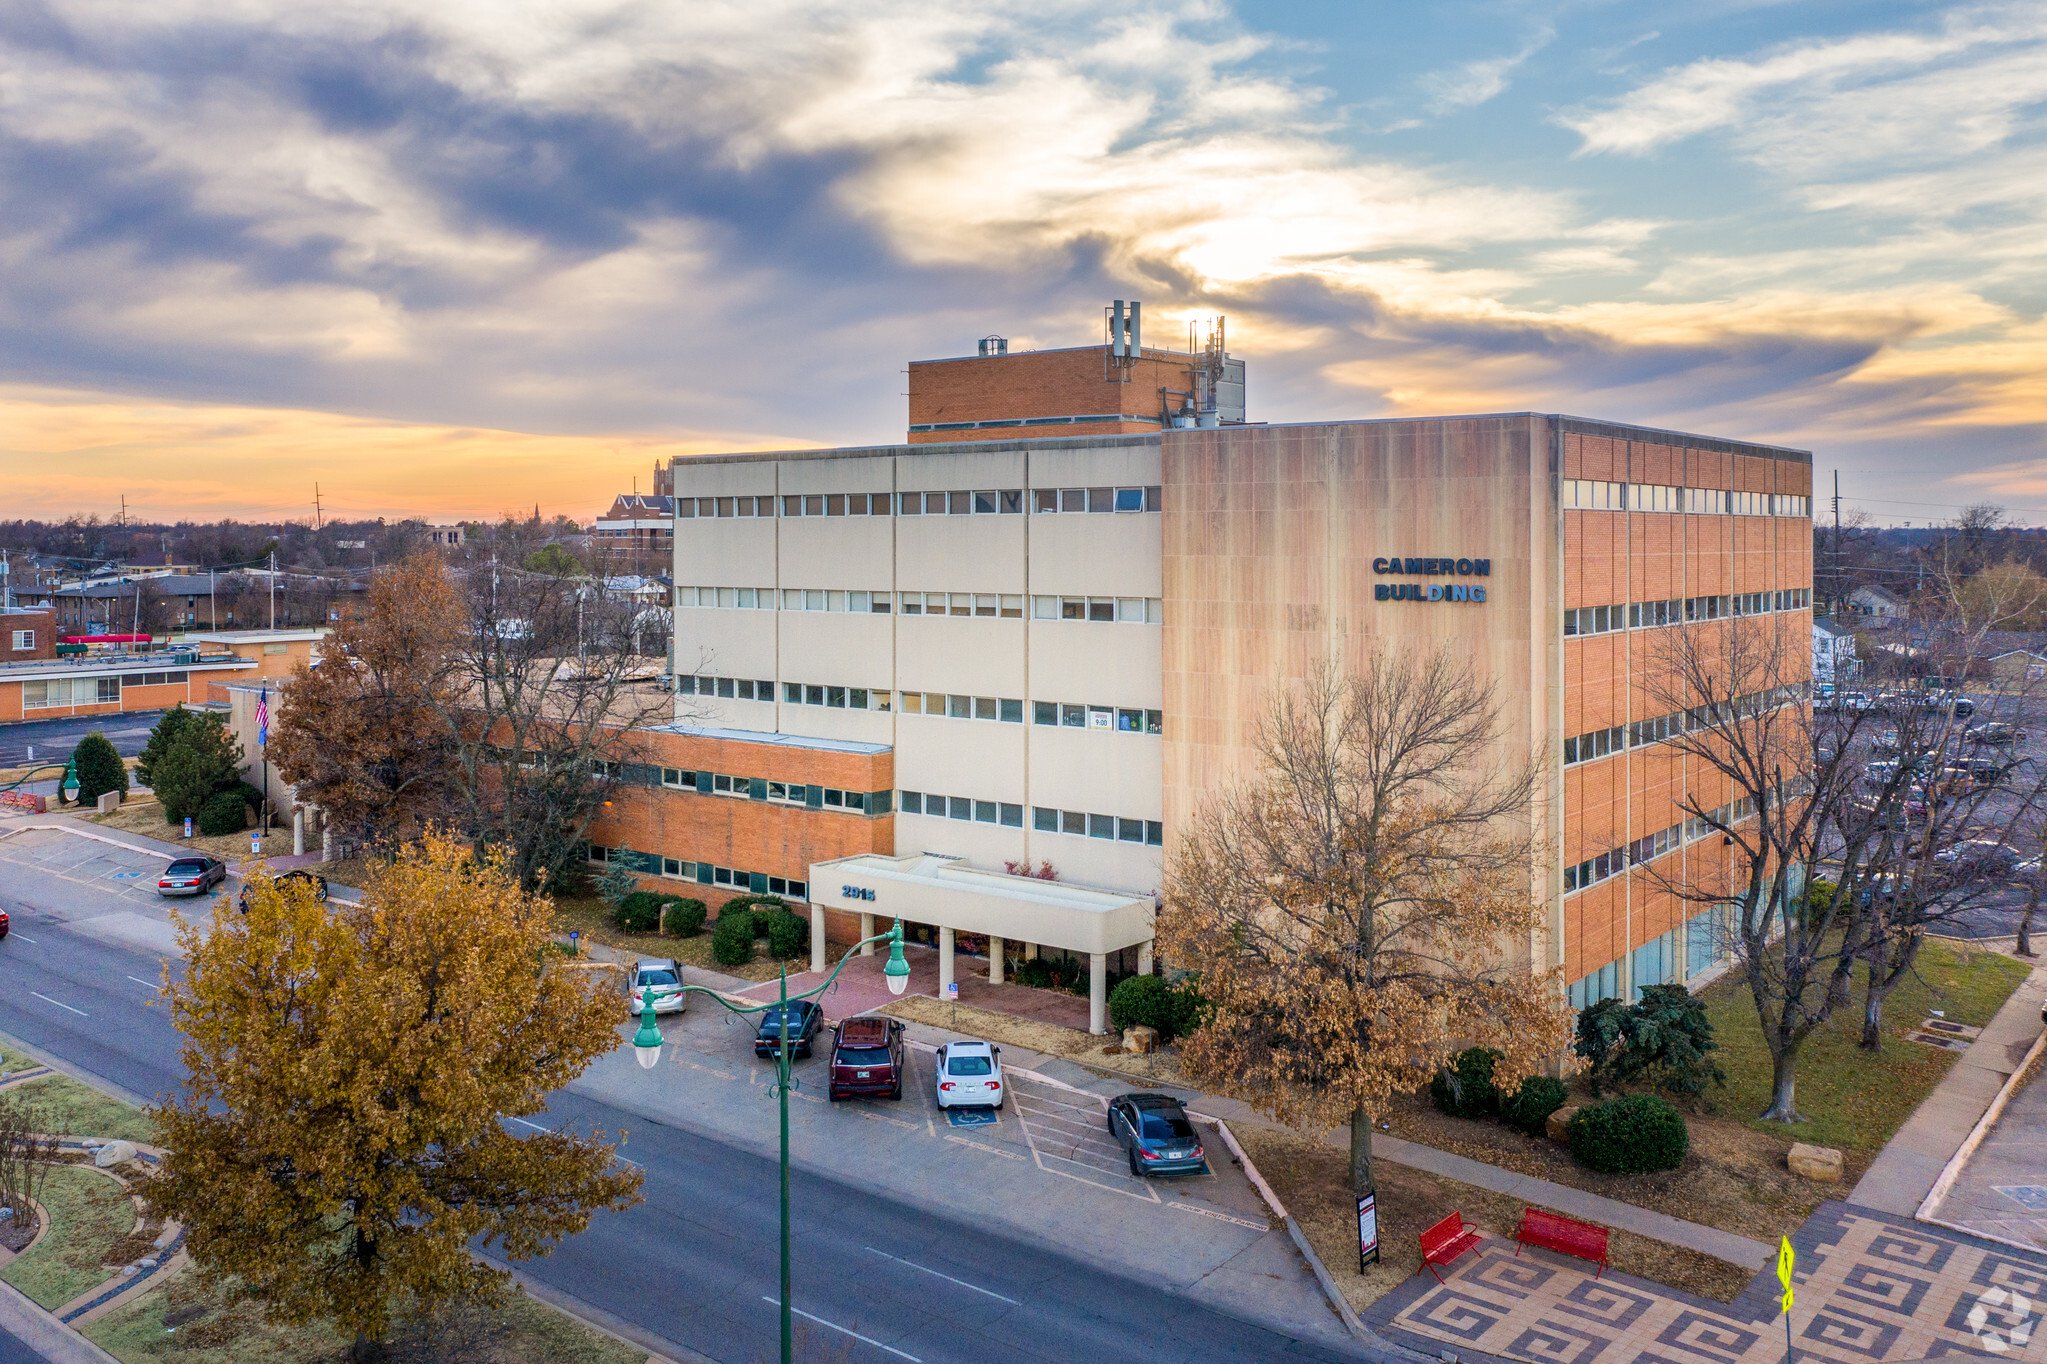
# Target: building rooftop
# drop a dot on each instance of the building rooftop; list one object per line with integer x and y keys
{"x": 755, "y": 736}
{"x": 255, "y": 636}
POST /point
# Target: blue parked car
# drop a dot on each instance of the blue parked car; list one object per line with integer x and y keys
{"x": 1156, "y": 1135}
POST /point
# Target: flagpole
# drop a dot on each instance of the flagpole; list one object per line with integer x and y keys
{"x": 263, "y": 743}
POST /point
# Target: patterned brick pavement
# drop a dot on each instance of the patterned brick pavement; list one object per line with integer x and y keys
{"x": 1871, "y": 1287}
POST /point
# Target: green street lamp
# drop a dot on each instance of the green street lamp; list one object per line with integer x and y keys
{"x": 69, "y": 786}
{"x": 647, "y": 1049}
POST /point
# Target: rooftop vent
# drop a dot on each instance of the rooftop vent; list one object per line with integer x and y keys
{"x": 994, "y": 345}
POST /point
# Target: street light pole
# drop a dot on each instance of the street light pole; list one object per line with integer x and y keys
{"x": 647, "y": 1049}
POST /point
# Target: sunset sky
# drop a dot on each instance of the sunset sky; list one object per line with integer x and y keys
{"x": 459, "y": 258}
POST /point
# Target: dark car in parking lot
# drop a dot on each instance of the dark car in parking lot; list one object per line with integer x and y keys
{"x": 194, "y": 875}
{"x": 295, "y": 877}
{"x": 867, "y": 1059}
{"x": 1156, "y": 1134}
{"x": 805, "y": 1018}
{"x": 1997, "y": 732}
{"x": 3, "y": 923}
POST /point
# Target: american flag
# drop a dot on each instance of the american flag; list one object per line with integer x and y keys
{"x": 263, "y": 718}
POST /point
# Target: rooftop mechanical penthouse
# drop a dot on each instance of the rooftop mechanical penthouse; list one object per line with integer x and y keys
{"x": 1054, "y": 643}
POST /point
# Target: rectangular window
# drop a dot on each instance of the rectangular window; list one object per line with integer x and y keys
{"x": 962, "y": 808}
{"x": 912, "y": 702}
{"x": 1012, "y": 711}
{"x": 1012, "y": 607}
{"x": 792, "y": 692}
{"x": 812, "y": 696}
{"x": 1130, "y": 721}
{"x": 813, "y": 599}
{"x": 1072, "y": 822}
{"x": 960, "y": 504}
{"x": 1073, "y": 608}
{"x": 1153, "y": 500}
{"x": 1130, "y": 830}
{"x": 726, "y": 688}
{"x": 813, "y": 504}
{"x": 1012, "y": 501}
{"x": 1043, "y": 820}
{"x": 1101, "y": 608}
{"x": 835, "y": 504}
{"x": 857, "y": 601}
{"x": 1072, "y": 499}
{"x": 835, "y": 697}
{"x": 960, "y": 604}
{"x": 1044, "y": 712}
{"x": 1045, "y": 608}
{"x": 984, "y": 708}
{"x": 24, "y": 639}
{"x": 985, "y": 604}
{"x": 834, "y": 798}
{"x": 913, "y": 604}
{"x": 1011, "y": 816}
{"x": 1154, "y": 722}
{"x": 1154, "y": 833}
{"x": 934, "y": 703}
{"x": 959, "y": 707}
{"x": 984, "y": 812}
{"x": 1101, "y": 826}
{"x": 1129, "y": 499}
{"x": 912, "y": 504}
{"x": 911, "y": 802}
{"x": 745, "y": 686}
{"x": 1045, "y": 499}
{"x": 1130, "y": 609}
{"x": 985, "y": 502}
{"x": 1075, "y": 716}
{"x": 721, "y": 783}
{"x": 1101, "y": 499}
{"x": 856, "y": 698}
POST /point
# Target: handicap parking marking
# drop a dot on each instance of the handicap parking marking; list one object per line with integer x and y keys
{"x": 972, "y": 1117}
{"x": 125, "y": 876}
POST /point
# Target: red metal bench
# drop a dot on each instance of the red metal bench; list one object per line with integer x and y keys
{"x": 1445, "y": 1241}
{"x": 1566, "y": 1234}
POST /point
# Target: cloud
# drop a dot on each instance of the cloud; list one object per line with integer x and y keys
{"x": 1473, "y": 83}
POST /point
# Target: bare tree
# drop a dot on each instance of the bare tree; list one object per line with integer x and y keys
{"x": 1364, "y": 905}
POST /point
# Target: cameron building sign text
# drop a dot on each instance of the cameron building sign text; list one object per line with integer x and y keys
{"x": 1430, "y": 568}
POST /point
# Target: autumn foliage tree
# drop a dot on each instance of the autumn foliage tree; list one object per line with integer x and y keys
{"x": 366, "y": 735}
{"x": 341, "y": 1139}
{"x": 1363, "y": 906}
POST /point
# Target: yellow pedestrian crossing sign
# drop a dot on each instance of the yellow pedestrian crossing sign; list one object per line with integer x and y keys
{"x": 1786, "y": 1260}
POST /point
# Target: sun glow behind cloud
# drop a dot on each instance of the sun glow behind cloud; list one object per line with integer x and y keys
{"x": 468, "y": 226}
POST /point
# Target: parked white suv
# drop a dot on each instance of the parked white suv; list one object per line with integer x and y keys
{"x": 969, "y": 1075}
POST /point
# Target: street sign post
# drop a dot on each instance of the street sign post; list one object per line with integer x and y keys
{"x": 1787, "y": 1260}
{"x": 188, "y": 826}
{"x": 1368, "y": 1231}
{"x": 952, "y": 992}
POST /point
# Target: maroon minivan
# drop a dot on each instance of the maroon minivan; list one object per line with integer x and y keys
{"x": 867, "y": 1059}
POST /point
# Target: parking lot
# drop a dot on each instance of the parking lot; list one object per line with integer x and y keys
{"x": 121, "y": 905}
{"x": 1043, "y": 1166}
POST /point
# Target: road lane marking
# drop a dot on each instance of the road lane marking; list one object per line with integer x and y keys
{"x": 47, "y": 1000}
{"x": 864, "y": 1340}
{"x": 25, "y": 938}
{"x": 152, "y": 984}
{"x": 534, "y": 1125}
{"x": 984, "y": 1146}
{"x": 1222, "y": 1216}
{"x": 947, "y": 1277}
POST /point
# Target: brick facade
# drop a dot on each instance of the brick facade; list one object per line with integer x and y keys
{"x": 1039, "y": 385}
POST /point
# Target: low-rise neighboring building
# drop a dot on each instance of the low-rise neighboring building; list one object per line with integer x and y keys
{"x": 637, "y": 521}
{"x": 27, "y": 634}
{"x": 109, "y": 684}
{"x": 275, "y": 653}
{"x": 1833, "y": 652}
{"x": 1878, "y": 604}
{"x": 446, "y": 536}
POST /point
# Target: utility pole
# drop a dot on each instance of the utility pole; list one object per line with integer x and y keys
{"x": 1834, "y": 607}
{"x": 318, "y": 523}
{"x": 273, "y": 589}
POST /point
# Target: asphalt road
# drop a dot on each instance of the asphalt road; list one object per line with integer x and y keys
{"x": 53, "y": 740}
{"x": 695, "y": 1267}
{"x": 12, "y": 1351}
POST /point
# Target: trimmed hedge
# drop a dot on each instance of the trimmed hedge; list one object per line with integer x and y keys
{"x": 99, "y": 768}
{"x": 225, "y": 812}
{"x": 1464, "y": 1088}
{"x": 788, "y": 934}
{"x": 1530, "y": 1106}
{"x": 638, "y": 912}
{"x": 683, "y": 918}
{"x": 1149, "y": 1001}
{"x": 1631, "y": 1135}
{"x": 732, "y": 937}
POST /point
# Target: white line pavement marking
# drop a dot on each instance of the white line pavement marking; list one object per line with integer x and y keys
{"x": 947, "y": 1277}
{"x": 25, "y": 938}
{"x": 879, "y": 1117}
{"x": 1221, "y": 1216}
{"x": 150, "y": 983}
{"x": 864, "y": 1340}
{"x": 983, "y": 1146}
{"x": 59, "y": 1003}
{"x": 534, "y": 1125}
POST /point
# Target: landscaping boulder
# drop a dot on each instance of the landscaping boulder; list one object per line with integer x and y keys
{"x": 113, "y": 1153}
{"x": 1821, "y": 1163}
{"x": 1558, "y": 1128}
{"x": 1140, "y": 1038}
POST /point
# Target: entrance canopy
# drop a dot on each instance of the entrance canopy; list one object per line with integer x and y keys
{"x": 929, "y": 889}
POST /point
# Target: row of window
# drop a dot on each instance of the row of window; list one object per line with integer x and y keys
{"x": 1583, "y": 748}
{"x": 1002, "y": 709}
{"x": 1149, "y": 832}
{"x": 972, "y": 502}
{"x": 1588, "y": 494}
{"x": 998, "y": 605}
{"x": 703, "y": 873}
{"x": 75, "y": 691}
{"x": 1648, "y": 615}
{"x": 1593, "y": 870}
{"x": 783, "y": 793}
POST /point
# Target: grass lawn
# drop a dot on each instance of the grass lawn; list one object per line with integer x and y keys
{"x": 85, "y": 1112}
{"x": 193, "y": 1320}
{"x": 145, "y": 817}
{"x": 11, "y": 1061}
{"x": 1852, "y": 1099}
{"x": 89, "y": 1215}
{"x": 1313, "y": 1181}
{"x": 591, "y": 917}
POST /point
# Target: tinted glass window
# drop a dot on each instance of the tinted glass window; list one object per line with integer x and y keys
{"x": 863, "y": 1056}
{"x": 969, "y": 1065}
{"x": 186, "y": 865}
{"x": 1161, "y": 1128}
{"x": 658, "y": 978}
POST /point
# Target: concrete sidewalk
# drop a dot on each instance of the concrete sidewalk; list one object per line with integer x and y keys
{"x": 1905, "y": 1170}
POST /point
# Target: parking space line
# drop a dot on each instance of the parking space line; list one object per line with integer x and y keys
{"x": 983, "y": 1146}
{"x": 947, "y": 1277}
{"x": 883, "y": 1117}
{"x": 25, "y": 938}
{"x": 47, "y": 1000}
{"x": 864, "y": 1340}
{"x": 1221, "y": 1216}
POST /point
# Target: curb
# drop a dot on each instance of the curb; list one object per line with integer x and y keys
{"x": 40, "y": 1332}
{"x": 1953, "y": 1169}
{"x": 659, "y": 1351}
